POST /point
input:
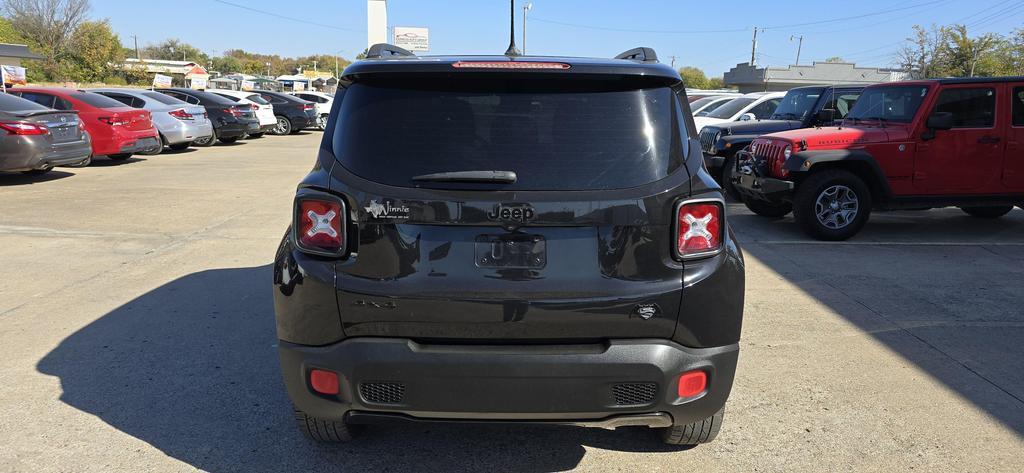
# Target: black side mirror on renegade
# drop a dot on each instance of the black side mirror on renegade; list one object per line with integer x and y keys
{"x": 940, "y": 121}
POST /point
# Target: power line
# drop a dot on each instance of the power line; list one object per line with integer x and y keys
{"x": 289, "y": 18}
{"x": 857, "y": 17}
{"x": 630, "y": 30}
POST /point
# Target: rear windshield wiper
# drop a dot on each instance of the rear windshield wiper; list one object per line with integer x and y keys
{"x": 503, "y": 177}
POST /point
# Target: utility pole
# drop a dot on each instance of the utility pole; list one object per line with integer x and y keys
{"x": 799, "y": 46}
{"x": 753, "y": 49}
{"x": 526, "y": 8}
{"x": 137, "y": 55}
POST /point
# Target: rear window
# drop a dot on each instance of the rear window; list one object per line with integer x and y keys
{"x": 576, "y": 136}
{"x": 257, "y": 99}
{"x": 10, "y": 103}
{"x": 229, "y": 97}
{"x": 163, "y": 98}
{"x": 731, "y": 108}
{"x": 96, "y": 100}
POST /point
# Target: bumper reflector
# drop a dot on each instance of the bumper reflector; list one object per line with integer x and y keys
{"x": 324, "y": 382}
{"x": 692, "y": 383}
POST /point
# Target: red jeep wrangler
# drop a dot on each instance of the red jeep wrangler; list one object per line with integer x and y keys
{"x": 906, "y": 145}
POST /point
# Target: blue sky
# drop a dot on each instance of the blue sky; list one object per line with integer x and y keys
{"x": 709, "y": 35}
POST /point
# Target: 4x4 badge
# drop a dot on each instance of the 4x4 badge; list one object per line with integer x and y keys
{"x": 387, "y": 210}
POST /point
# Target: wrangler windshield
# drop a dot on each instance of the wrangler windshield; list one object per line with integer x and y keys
{"x": 891, "y": 103}
{"x": 797, "y": 104}
{"x": 554, "y": 135}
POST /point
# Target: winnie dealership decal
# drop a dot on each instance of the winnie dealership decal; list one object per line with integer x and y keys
{"x": 387, "y": 209}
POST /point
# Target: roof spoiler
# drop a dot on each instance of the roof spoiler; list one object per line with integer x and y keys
{"x": 639, "y": 54}
{"x": 385, "y": 50}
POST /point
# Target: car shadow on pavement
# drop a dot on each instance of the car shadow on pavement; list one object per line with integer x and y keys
{"x": 191, "y": 368}
{"x": 103, "y": 161}
{"x": 19, "y": 179}
{"x": 942, "y": 290}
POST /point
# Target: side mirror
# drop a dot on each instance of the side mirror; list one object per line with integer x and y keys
{"x": 940, "y": 121}
{"x": 826, "y": 115}
{"x": 746, "y": 117}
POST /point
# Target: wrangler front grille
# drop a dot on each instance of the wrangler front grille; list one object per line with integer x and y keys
{"x": 707, "y": 139}
{"x": 634, "y": 394}
{"x": 382, "y": 393}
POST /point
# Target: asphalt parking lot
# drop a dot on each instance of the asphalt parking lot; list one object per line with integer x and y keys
{"x": 137, "y": 334}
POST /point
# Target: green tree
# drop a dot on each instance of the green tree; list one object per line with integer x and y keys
{"x": 48, "y": 24}
{"x": 175, "y": 50}
{"x": 964, "y": 53}
{"x": 716, "y": 83}
{"x": 694, "y": 78}
{"x": 95, "y": 53}
{"x": 834, "y": 60}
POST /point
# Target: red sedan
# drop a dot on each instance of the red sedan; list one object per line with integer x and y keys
{"x": 117, "y": 130}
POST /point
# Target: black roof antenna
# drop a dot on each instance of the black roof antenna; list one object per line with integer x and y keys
{"x": 512, "y": 51}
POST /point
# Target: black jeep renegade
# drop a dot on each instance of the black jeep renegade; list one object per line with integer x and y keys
{"x": 509, "y": 239}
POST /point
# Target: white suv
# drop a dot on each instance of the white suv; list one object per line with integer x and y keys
{"x": 323, "y": 103}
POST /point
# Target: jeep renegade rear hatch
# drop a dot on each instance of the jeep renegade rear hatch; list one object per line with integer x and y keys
{"x": 511, "y": 206}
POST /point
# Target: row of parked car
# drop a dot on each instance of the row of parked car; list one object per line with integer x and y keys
{"x": 45, "y": 127}
{"x": 833, "y": 154}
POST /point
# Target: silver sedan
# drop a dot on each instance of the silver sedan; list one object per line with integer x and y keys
{"x": 34, "y": 138}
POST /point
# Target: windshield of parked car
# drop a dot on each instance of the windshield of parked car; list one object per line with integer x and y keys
{"x": 797, "y": 104}
{"x": 164, "y": 98}
{"x": 731, "y": 108}
{"x": 889, "y": 103}
{"x": 97, "y": 100}
{"x": 10, "y": 103}
{"x": 554, "y": 136}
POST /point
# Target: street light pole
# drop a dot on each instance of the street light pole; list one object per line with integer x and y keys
{"x": 799, "y": 47}
{"x": 526, "y": 8}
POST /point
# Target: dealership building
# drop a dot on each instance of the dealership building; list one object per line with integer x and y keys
{"x": 750, "y": 78}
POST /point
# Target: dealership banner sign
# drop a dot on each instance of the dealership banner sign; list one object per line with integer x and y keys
{"x": 161, "y": 80}
{"x": 248, "y": 85}
{"x": 13, "y": 75}
{"x": 198, "y": 83}
{"x": 412, "y": 39}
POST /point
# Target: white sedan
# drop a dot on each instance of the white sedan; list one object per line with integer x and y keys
{"x": 264, "y": 110}
{"x": 755, "y": 106}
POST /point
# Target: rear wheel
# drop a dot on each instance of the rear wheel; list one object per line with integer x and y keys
{"x": 993, "y": 211}
{"x": 321, "y": 122}
{"x": 283, "y": 127}
{"x": 180, "y": 146}
{"x": 699, "y": 432}
{"x": 768, "y": 209}
{"x": 832, "y": 205}
{"x": 119, "y": 157}
{"x": 322, "y": 430}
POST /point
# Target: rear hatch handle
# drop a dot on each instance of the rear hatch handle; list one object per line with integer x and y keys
{"x": 504, "y": 177}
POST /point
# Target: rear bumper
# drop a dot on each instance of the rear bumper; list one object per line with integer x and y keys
{"x": 620, "y": 382}
{"x": 763, "y": 188}
{"x": 22, "y": 154}
{"x": 232, "y": 130}
{"x": 184, "y": 132}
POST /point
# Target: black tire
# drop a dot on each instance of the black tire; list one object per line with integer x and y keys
{"x": 228, "y": 141}
{"x": 851, "y": 194}
{"x": 321, "y": 122}
{"x": 180, "y": 146}
{"x": 321, "y": 430}
{"x": 768, "y": 209}
{"x": 993, "y": 211}
{"x": 283, "y": 127}
{"x": 119, "y": 157}
{"x": 702, "y": 431}
{"x": 728, "y": 169}
{"x": 203, "y": 143}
